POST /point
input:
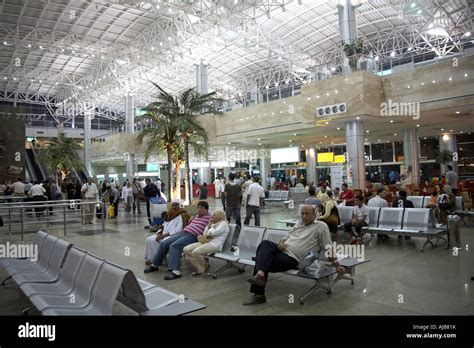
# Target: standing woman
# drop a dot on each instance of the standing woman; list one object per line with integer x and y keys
{"x": 127, "y": 197}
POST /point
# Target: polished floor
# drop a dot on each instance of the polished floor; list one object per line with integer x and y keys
{"x": 399, "y": 280}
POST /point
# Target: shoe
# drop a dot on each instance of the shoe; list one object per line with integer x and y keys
{"x": 172, "y": 276}
{"x": 151, "y": 269}
{"x": 254, "y": 300}
{"x": 147, "y": 227}
{"x": 257, "y": 280}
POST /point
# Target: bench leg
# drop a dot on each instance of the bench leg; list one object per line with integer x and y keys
{"x": 25, "y": 311}
{"x": 342, "y": 277}
{"x": 228, "y": 265}
{"x": 316, "y": 286}
{"x": 428, "y": 241}
{"x": 4, "y": 280}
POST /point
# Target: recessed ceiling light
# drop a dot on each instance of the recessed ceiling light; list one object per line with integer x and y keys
{"x": 433, "y": 81}
{"x": 357, "y": 118}
{"x": 457, "y": 112}
{"x": 378, "y": 140}
{"x": 228, "y": 143}
{"x": 465, "y": 75}
{"x": 450, "y": 79}
{"x": 259, "y": 139}
{"x": 294, "y": 134}
{"x": 367, "y": 131}
{"x": 442, "y": 129}
{"x": 422, "y": 83}
{"x": 417, "y": 125}
{"x": 391, "y": 121}
{"x": 290, "y": 140}
{"x": 395, "y": 134}
{"x": 338, "y": 128}
{"x": 325, "y": 136}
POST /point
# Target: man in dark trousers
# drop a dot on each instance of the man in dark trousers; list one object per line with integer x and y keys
{"x": 150, "y": 191}
{"x": 233, "y": 196}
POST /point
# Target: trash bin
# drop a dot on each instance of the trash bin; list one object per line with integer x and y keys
{"x": 454, "y": 231}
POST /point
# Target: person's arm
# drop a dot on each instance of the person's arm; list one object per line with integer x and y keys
{"x": 223, "y": 228}
{"x": 84, "y": 188}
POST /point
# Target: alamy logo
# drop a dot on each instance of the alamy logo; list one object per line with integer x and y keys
{"x": 355, "y": 250}
{"x": 8, "y": 250}
{"x": 37, "y": 331}
{"x": 400, "y": 109}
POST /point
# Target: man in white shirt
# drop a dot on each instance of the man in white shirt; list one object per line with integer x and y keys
{"x": 37, "y": 192}
{"x": 360, "y": 218}
{"x": 245, "y": 187}
{"x": 290, "y": 252}
{"x": 379, "y": 201}
{"x": 272, "y": 183}
{"x": 90, "y": 193}
{"x": 18, "y": 188}
{"x": 255, "y": 197}
{"x": 217, "y": 187}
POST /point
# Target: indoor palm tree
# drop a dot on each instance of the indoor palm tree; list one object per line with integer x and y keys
{"x": 60, "y": 155}
{"x": 161, "y": 137}
{"x": 444, "y": 157}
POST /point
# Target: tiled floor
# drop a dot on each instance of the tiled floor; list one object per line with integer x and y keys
{"x": 400, "y": 280}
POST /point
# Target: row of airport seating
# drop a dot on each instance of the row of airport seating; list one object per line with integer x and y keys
{"x": 66, "y": 280}
{"x": 244, "y": 252}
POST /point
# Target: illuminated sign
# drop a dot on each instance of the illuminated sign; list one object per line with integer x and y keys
{"x": 324, "y": 157}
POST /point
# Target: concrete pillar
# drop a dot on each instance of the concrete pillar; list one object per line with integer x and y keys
{"x": 448, "y": 142}
{"x": 411, "y": 152}
{"x": 130, "y": 161}
{"x": 311, "y": 156}
{"x": 202, "y": 77}
{"x": 226, "y": 173}
{"x": 347, "y": 27}
{"x": 129, "y": 113}
{"x": 88, "y": 116}
{"x": 205, "y": 175}
{"x": 265, "y": 168}
{"x": 355, "y": 150}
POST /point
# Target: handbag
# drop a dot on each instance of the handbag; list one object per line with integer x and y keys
{"x": 111, "y": 211}
{"x": 205, "y": 238}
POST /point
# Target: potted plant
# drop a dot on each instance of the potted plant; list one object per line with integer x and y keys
{"x": 353, "y": 51}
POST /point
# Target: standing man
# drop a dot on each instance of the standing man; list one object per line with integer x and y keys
{"x": 346, "y": 195}
{"x": 255, "y": 197}
{"x": 150, "y": 191}
{"x": 452, "y": 179}
{"x": 272, "y": 183}
{"x": 233, "y": 194}
{"x": 217, "y": 187}
{"x": 18, "y": 188}
{"x": 137, "y": 194}
{"x": 90, "y": 192}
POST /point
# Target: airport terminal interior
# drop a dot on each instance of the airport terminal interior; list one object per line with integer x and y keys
{"x": 236, "y": 157}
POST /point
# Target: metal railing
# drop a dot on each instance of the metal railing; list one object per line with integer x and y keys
{"x": 16, "y": 215}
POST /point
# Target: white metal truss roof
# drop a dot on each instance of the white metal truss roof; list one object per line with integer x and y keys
{"x": 75, "y": 55}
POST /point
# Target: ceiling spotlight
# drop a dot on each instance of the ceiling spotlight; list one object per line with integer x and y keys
{"x": 417, "y": 125}
{"x": 442, "y": 129}
{"x": 5, "y": 43}
{"x": 467, "y": 34}
{"x": 357, "y": 118}
{"x": 412, "y": 5}
{"x": 445, "y": 137}
{"x": 14, "y": 79}
{"x": 41, "y": 47}
{"x": 457, "y": 112}
{"x": 393, "y": 54}
{"x": 338, "y": 128}
{"x": 376, "y": 58}
{"x": 29, "y": 46}
{"x": 333, "y": 69}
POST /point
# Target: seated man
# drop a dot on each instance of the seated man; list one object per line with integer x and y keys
{"x": 175, "y": 244}
{"x": 288, "y": 253}
{"x": 360, "y": 218}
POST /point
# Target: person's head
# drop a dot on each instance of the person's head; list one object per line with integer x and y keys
{"x": 450, "y": 167}
{"x": 148, "y": 181}
{"x": 231, "y": 176}
{"x": 382, "y": 192}
{"x": 329, "y": 193}
{"x": 403, "y": 194}
{"x": 312, "y": 191}
{"x": 255, "y": 179}
{"x": 203, "y": 208}
{"x": 108, "y": 187}
{"x": 35, "y": 182}
{"x": 344, "y": 187}
{"x": 320, "y": 208}
{"x": 18, "y": 179}
{"x": 447, "y": 189}
{"x": 129, "y": 184}
{"x": 359, "y": 201}
{"x": 164, "y": 215}
{"x": 175, "y": 204}
{"x": 323, "y": 189}
{"x": 336, "y": 190}
{"x": 307, "y": 214}
{"x": 89, "y": 180}
{"x": 218, "y": 216}
{"x": 134, "y": 179}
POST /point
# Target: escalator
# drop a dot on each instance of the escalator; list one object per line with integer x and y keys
{"x": 34, "y": 168}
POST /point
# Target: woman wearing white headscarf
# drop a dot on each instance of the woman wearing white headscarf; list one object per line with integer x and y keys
{"x": 176, "y": 219}
{"x": 211, "y": 241}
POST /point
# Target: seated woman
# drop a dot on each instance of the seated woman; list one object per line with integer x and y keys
{"x": 212, "y": 240}
{"x": 176, "y": 219}
{"x": 446, "y": 204}
{"x": 331, "y": 215}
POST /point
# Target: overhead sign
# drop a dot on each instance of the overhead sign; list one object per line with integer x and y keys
{"x": 339, "y": 159}
{"x": 325, "y": 157}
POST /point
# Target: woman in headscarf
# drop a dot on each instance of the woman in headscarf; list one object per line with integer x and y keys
{"x": 446, "y": 204}
{"x": 176, "y": 219}
{"x": 331, "y": 215}
{"x": 211, "y": 241}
